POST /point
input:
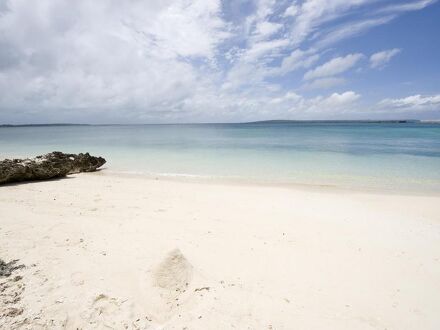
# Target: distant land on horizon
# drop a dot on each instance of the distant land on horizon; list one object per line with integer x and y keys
{"x": 36, "y": 125}
{"x": 273, "y": 121}
{"x": 367, "y": 121}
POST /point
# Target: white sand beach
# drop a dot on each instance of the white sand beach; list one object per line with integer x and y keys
{"x": 106, "y": 251}
{"x": 220, "y": 164}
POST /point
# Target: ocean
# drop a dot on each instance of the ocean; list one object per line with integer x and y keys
{"x": 391, "y": 156}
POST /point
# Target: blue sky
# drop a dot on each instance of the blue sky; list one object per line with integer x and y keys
{"x": 218, "y": 61}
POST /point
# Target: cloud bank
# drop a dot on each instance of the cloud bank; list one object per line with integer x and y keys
{"x": 182, "y": 60}
{"x": 414, "y": 102}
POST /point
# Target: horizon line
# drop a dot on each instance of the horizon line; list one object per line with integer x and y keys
{"x": 273, "y": 121}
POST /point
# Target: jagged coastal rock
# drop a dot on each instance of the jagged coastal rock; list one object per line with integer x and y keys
{"x": 52, "y": 165}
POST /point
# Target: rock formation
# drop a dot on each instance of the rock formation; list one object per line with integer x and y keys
{"x": 53, "y": 165}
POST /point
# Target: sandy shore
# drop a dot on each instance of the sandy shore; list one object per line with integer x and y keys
{"x": 122, "y": 252}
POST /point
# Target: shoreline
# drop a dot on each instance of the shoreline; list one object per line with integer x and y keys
{"x": 250, "y": 182}
{"x": 241, "y": 181}
{"x": 355, "y": 184}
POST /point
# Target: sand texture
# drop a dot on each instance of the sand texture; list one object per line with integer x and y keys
{"x": 103, "y": 251}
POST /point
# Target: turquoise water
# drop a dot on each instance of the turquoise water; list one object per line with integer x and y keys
{"x": 382, "y": 155}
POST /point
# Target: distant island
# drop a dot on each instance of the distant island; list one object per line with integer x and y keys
{"x": 283, "y": 121}
{"x": 42, "y": 125}
{"x": 259, "y": 122}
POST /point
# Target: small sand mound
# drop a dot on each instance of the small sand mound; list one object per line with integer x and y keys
{"x": 174, "y": 272}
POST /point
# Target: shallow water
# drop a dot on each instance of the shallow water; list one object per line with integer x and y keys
{"x": 371, "y": 155}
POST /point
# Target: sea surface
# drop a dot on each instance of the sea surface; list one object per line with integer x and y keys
{"x": 394, "y": 156}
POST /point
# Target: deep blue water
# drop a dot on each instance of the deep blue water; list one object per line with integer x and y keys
{"x": 385, "y": 155}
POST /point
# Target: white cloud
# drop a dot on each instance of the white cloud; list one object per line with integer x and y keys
{"x": 289, "y": 96}
{"x": 407, "y": 6}
{"x": 264, "y": 48}
{"x": 380, "y": 59}
{"x": 177, "y": 60}
{"x": 324, "y": 83}
{"x": 314, "y": 13}
{"x": 67, "y": 57}
{"x": 348, "y": 30}
{"x": 265, "y": 29}
{"x": 413, "y": 102}
{"x": 292, "y": 10}
{"x": 334, "y": 66}
{"x": 296, "y": 60}
{"x": 321, "y": 104}
{"x": 341, "y": 99}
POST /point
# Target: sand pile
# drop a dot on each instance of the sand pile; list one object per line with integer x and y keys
{"x": 174, "y": 273}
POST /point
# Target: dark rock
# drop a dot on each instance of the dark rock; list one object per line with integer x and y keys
{"x": 6, "y": 268}
{"x": 53, "y": 165}
{"x": 13, "y": 312}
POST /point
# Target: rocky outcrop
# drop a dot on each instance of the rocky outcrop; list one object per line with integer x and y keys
{"x": 53, "y": 165}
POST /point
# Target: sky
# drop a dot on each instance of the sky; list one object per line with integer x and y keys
{"x": 180, "y": 61}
